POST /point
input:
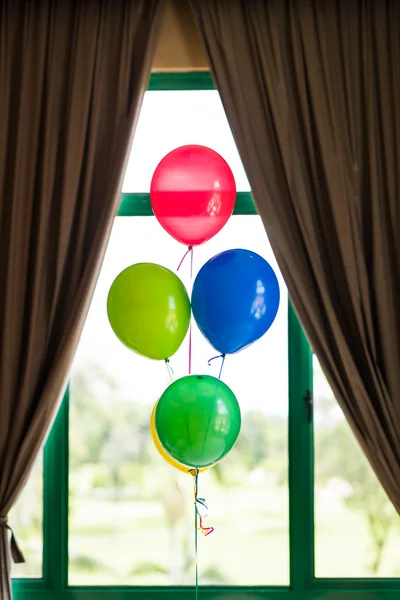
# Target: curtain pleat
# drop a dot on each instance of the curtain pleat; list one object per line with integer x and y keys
{"x": 72, "y": 78}
{"x": 311, "y": 89}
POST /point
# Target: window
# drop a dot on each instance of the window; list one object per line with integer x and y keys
{"x": 169, "y": 119}
{"x": 367, "y": 542}
{"x": 120, "y": 489}
{"x": 114, "y": 470}
{"x": 116, "y": 520}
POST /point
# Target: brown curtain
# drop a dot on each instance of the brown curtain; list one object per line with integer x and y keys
{"x": 72, "y": 77}
{"x": 311, "y": 89}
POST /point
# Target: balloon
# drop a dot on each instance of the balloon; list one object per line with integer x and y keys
{"x": 149, "y": 310}
{"x": 235, "y": 299}
{"x": 163, "y": 453}
{"x": 193, "y": 194}
{"x": 197, "y": 420}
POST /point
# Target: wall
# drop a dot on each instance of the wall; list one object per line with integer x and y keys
{"x": 179, "y": 46}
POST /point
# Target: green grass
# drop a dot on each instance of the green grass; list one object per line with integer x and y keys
{"x": 117, "y": 542}
{"x": 344, "y": 547}
{"x": 248, "y": 547}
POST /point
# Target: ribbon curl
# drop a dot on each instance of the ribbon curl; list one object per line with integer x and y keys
{"x": 201, "y": 507}
{"x": 222, "y": 356}
{"x": 198, "y": 522}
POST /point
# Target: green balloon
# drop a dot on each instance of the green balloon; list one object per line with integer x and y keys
{"x": 149, "y": 310}
{"x": 198, "y": 420}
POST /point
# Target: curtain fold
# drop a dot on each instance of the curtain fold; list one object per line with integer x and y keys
{"x": 311, "y": 89}
{"x": 72, "y": 78}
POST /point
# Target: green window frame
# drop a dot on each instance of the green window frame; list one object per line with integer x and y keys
{"x": 303, "y": 583}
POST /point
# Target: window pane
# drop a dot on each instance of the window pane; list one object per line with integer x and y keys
{"x": 131, "y": 520}
{"x": 26, "y": 519}
{"x": 171, "y": 119}
{"x": 357, "y": 531}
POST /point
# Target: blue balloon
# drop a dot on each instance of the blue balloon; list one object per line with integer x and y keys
{"x": 235, "y": 299}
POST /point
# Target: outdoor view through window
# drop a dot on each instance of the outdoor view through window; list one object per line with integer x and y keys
{"x": 121, "y": 491}
{"x": 357, "y": 530}
{"x": 130, "y": 513}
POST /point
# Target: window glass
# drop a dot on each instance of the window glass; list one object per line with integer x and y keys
{"x": 357, "y": 530}
{"x": 131, "y": 520}
{"x": 26, "y": 519}
{"x": 171, "y": 119}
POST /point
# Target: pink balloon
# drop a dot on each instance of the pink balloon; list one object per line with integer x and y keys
{"x": 193, "y": 194}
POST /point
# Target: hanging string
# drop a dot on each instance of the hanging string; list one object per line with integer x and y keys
{"x": 200, "y": 511}
{"x": 190, "y": 349}
{"x": 222, "y": 356}
{"x": 191, "y": 263}
{"x": 169, "y": 369}
{"x": 189, "y": 251}
{"x": 200, "y": 505}
{"x": 190, "y": 326}
{"x": 196, "y": 527}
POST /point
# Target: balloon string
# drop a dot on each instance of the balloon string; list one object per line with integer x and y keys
{"x": 222, "y": 366}
{"x": 189, "y": 250}
{"x": 191, "y": 263}
{"x": 196, "y": 525}
{"x": 222, "y": 356}
{"x": 190, "y": 349}
{"x": 198, "y": 522}
{"x": 169, "y": 369}
{"x": 190, "y": 328}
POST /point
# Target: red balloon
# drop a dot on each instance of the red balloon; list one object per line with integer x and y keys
{"x": 193, "y": 194}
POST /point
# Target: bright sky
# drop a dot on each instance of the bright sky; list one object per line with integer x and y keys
{"x": 257, "y": 375}
{"x": 172, "y": 119}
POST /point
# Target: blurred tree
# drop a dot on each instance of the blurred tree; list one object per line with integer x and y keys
{"x": 89, "y": 413}
{"x": 338, "y": 455}
{"x": 120, "y": 448}
{"x": 262, "y": 443}
{"x": 109, "y": 436}
{"x": 253, "y": 442}
{"x": 107, "y": 428}
{"x": 369, "y": 497}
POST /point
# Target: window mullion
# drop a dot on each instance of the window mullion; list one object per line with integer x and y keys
{"x": 55, "y": 501}
{"x": 137, "y": 204}
{"x": 301, "y": 514}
